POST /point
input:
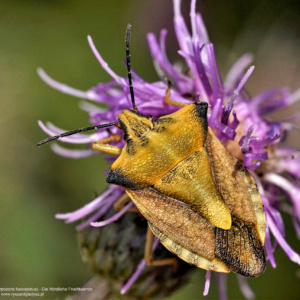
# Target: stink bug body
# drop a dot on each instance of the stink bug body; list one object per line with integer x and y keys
{"x": 200, "y": 202}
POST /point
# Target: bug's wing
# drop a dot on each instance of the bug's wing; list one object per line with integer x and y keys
{"x": 236, "y": 186}
{"x": 191, "y": 181}
{"x": 175, "y": 219}
{"x": 192, "y": 258}
{"x": 189, "y": 236}
{"x": 240, "y": 248}
{"x": 180, "y": 229}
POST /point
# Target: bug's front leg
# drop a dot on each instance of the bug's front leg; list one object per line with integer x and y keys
{"x": 120, "y": 203}
{"x": 148, "y": 254}
{"x": 103, "y": 146}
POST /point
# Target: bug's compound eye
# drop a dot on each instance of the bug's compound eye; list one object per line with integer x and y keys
{"x": 127, "y": 137}
{"x": 149, "y": 117}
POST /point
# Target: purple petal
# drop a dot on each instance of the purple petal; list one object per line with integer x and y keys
{"x": 197, "y": 98}
{"x": 269, "y": 248}
{"x": 114, "y": 218}
{"x": 138, "y": 271}
{"x": 185, "y": 41}
{"x": 182, "y": 33}
{"x": 257, "y": 156}
{"x": 277, "y": 219}
{"x": 253, "y": 167}
{"x": 91, "y": 108}
{"x": 104, "y": 65}
{"x": 182, "y": 82}
{"x": 201, "y": 30}
{"x": 113, "y": 192}
{"x": 216, "y": 81}
{"x": 90, "y": 94}
{"x": 207, "y": 283}
{"x": 185, "y": 55}
{"x": 134, "y": 277}
{"x": 237, "y": 70}
{"x": 244, "y": 79}
{"x": 289, "y": 163}
{"x": 221, "y": 281}
{"x": 291, "y": 190}
{"x": 245, "y": 288}
{"x": 271, "y": 100}
{"x": 70, "y": 153}
{"x": 244, "y": 143}
{"x": 193, "y": 18}
{"x": 282, "y": 242}
{"x": 228, "y": 108}
{"x": 96, "y": 216}
{"x": 225, "y": 130}
{"x": 235, "y": 123}
{"x": 200, "y": 69}
{"x": 214, "y": 114}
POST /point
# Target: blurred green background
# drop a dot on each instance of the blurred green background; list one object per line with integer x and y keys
{"x": 38, "y": 250}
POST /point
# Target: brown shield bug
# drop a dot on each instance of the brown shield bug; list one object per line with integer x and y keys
{"x": 200, "y": 202}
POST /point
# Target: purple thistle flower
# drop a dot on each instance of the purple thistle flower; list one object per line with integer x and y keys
{"x": 237, "y": 120}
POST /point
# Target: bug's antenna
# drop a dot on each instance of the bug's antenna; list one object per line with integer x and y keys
{"x": 52, "y": 138}
{"x": 127, "y": 40}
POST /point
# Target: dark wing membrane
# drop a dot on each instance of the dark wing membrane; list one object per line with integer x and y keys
{"x": 192, "y": 258}
{"x": 240, "y": 248}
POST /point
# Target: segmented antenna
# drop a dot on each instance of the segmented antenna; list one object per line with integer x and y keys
{"x": 50, "y": 139}
{"x": 127, "y": 40}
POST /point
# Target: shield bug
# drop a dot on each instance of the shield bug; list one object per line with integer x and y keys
{"x": 200, "y": 202}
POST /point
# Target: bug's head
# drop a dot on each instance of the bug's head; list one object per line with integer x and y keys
{"x": 134, "y": 124}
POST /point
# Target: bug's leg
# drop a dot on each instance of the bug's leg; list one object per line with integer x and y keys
{"x": 120, "y": 203}
{"x": 102, "y": 145}
{"x": 167, "y": 99}
{"x": 148, "y": 254}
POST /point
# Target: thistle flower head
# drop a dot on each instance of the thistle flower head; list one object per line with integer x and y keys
{"x": 237, "y": 119}
{"x": 113, "y": 253}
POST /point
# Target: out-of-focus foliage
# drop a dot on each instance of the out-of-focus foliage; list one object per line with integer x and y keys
{"x": 39, "y": 251}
